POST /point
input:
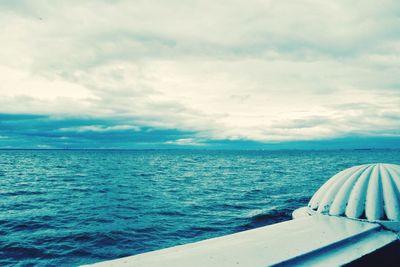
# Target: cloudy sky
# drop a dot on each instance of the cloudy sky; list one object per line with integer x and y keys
{"x": 257, "y": 73}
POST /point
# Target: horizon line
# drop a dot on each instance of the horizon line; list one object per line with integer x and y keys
{"x": 210, "y": 149}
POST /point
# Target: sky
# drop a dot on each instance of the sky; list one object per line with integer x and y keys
{"x": 199, "y": 74}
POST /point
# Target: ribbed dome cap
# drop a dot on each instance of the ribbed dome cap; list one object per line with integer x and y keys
{"x": 369, "y": 192}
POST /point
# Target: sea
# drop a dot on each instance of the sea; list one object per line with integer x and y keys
{"x": 73, "y": 207}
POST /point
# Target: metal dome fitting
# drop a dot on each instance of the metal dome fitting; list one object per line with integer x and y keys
{"x": 368, "y": 192}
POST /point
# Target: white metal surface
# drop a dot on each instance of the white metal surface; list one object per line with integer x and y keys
{"x": 370, "y": 192}
{"x": 314, "y": 240}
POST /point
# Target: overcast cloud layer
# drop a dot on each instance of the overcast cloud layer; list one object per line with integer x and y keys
{"x": 235, "y": 70}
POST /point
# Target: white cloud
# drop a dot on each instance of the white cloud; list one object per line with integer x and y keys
{"x": 15, "y": 82}
{"x": 100, "y": 128}
{"x": 259, "y": 70}
{"x": 185, "y": 142}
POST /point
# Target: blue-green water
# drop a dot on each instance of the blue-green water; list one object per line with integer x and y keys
{"x": 65, "y": 208}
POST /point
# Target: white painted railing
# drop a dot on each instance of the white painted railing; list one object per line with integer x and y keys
{"x": 314, "y": 240}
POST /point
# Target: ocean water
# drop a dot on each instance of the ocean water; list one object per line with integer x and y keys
{"x": 71, "y": 207}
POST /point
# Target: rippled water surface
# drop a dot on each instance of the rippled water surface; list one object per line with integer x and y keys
{"x": 65, "y": 208}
